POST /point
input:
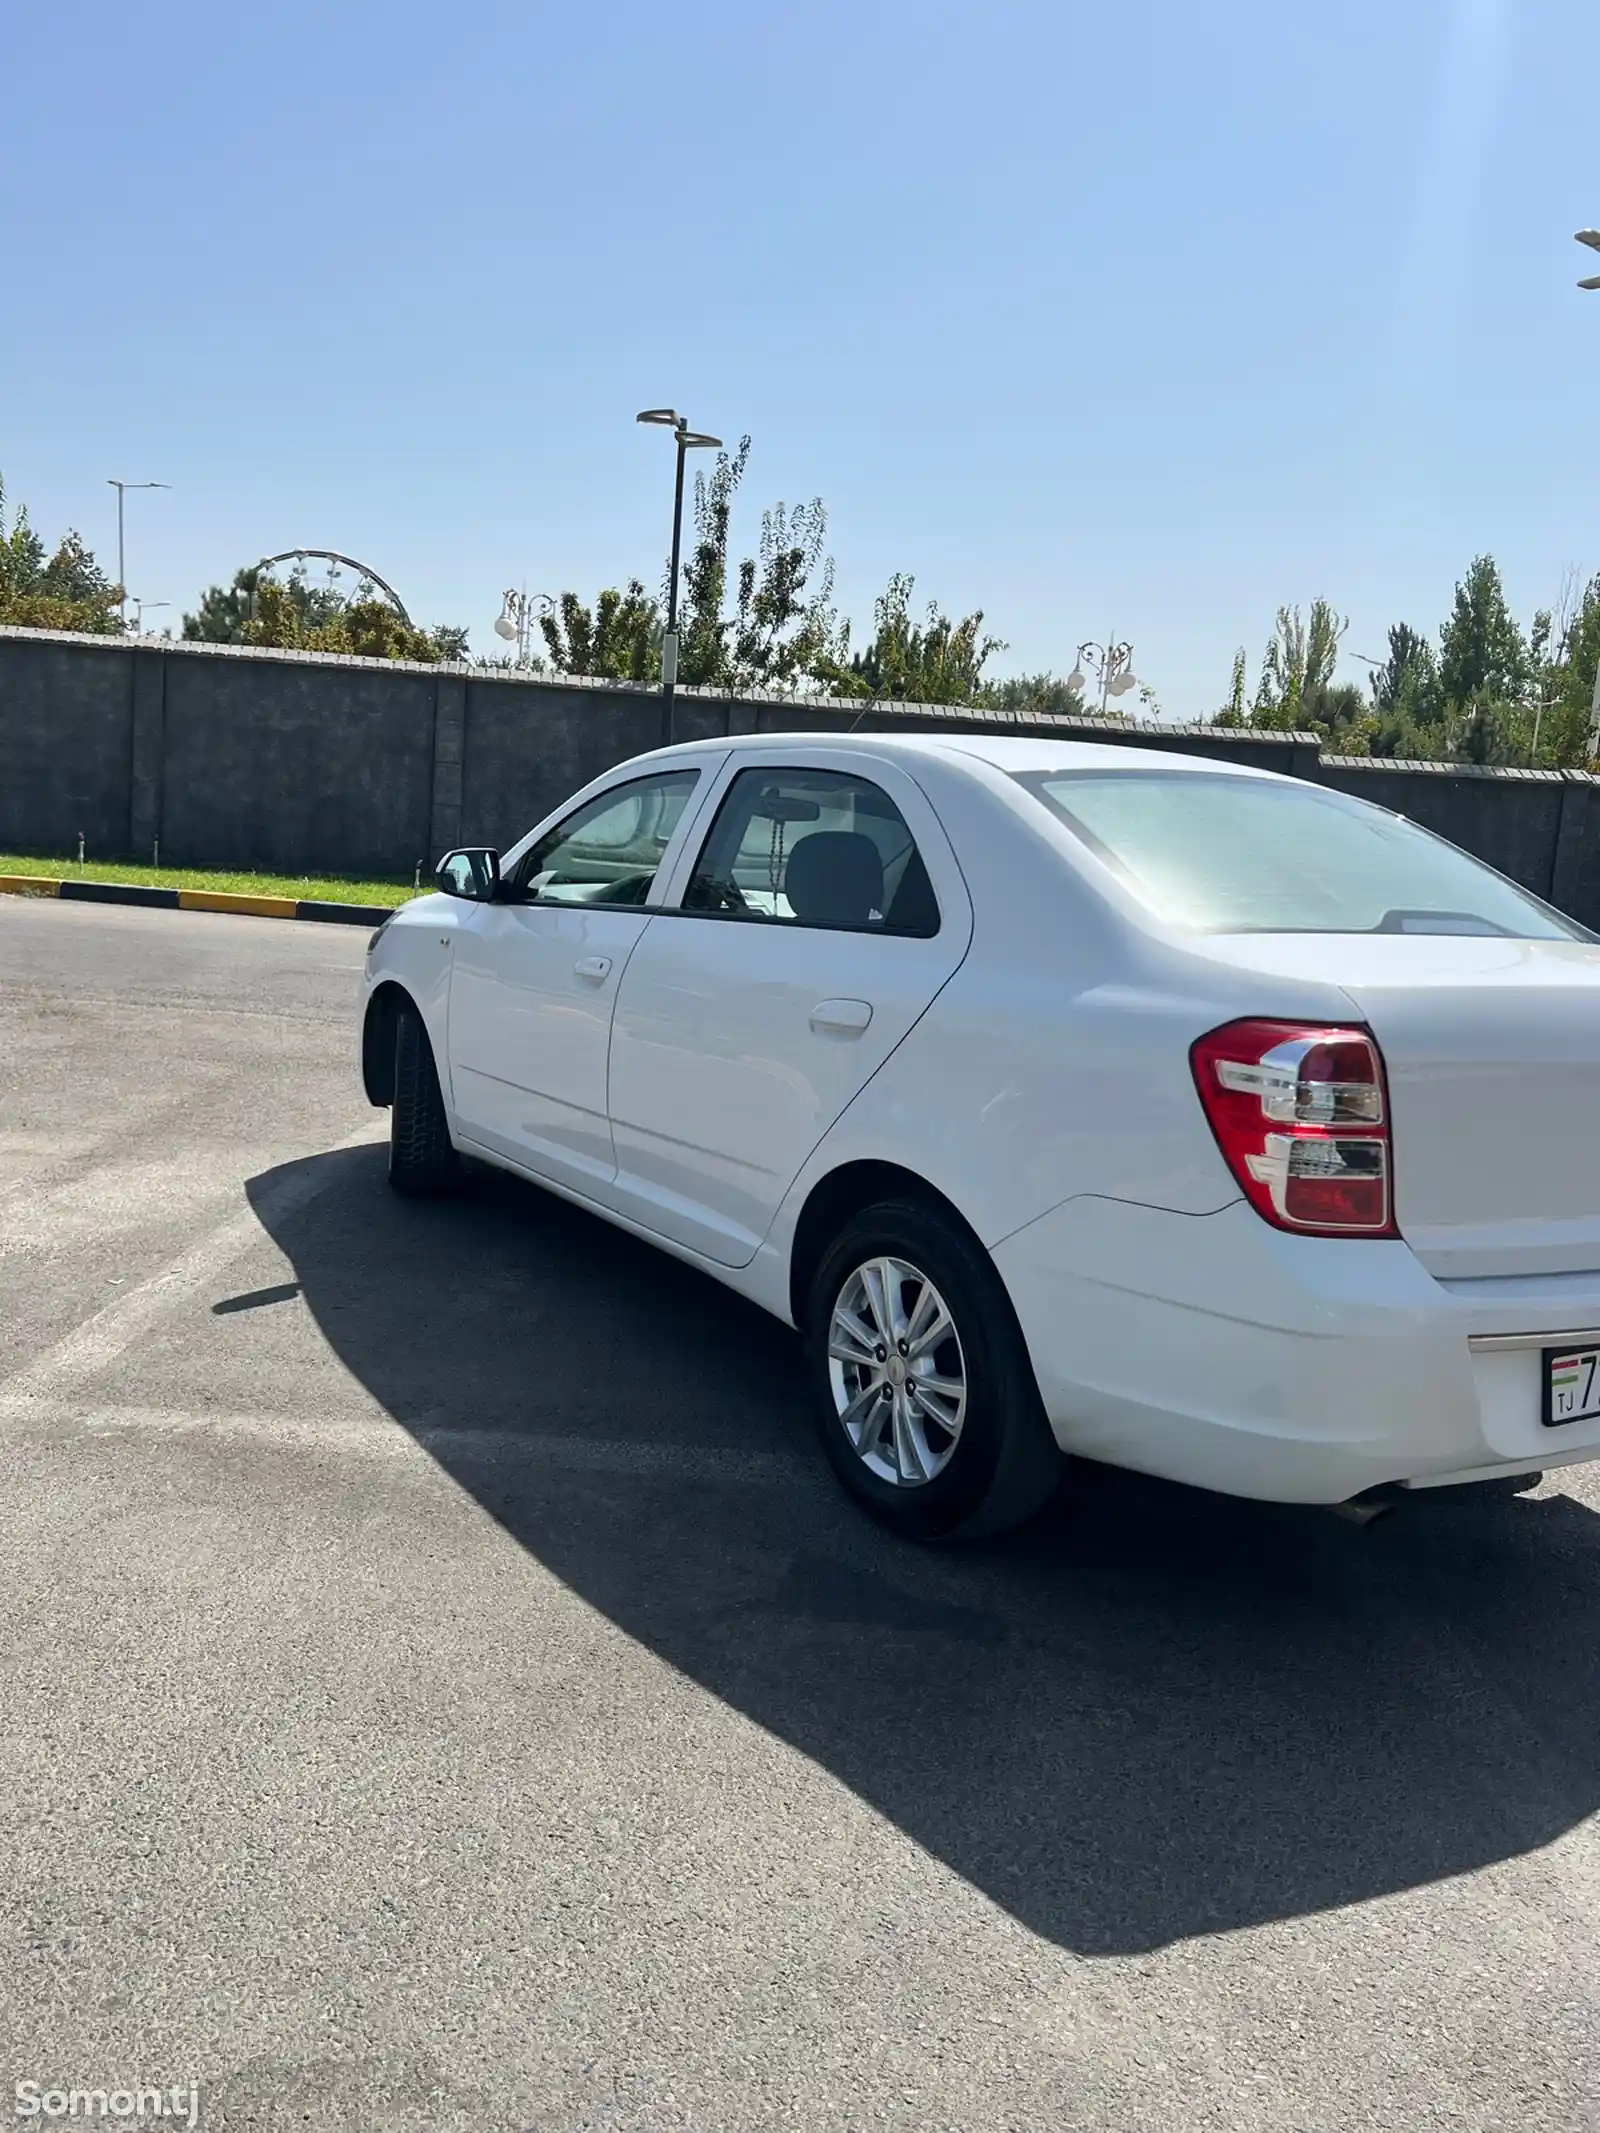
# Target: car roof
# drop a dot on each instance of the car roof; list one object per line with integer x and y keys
{"x": 1009, "y": 752}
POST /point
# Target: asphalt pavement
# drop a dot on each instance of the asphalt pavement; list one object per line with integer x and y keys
{"x": 443, "y": 1689}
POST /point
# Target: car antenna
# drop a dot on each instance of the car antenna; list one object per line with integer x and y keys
{"x": 871, "y": 704}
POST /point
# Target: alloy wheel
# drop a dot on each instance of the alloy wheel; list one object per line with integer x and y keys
{"x": 897, "y": 1371}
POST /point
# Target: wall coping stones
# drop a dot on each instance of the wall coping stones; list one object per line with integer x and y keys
{"x": 1502, "y": 771}
{"x": 886, "y": 707}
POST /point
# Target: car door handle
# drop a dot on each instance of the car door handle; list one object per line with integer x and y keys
{"x": 592, "y": 967}
{"x": 840, "y": 1018}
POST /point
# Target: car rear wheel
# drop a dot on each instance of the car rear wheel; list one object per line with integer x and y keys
{"x": 421, "y": 1159}
{"x": 923, "y": 1392}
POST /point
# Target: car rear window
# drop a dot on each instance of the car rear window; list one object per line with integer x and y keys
{"x": 1223, "y": 854}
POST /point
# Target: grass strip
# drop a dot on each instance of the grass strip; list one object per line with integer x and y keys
{"x": 311, "y": 888}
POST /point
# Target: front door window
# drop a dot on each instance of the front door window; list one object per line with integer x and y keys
{"x": 610, "y": 850}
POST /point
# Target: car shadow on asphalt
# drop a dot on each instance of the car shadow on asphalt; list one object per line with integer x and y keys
{"x": 1154, "y": 1713}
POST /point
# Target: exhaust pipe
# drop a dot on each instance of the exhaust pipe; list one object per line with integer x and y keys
{"x": 1370, "y": 1505}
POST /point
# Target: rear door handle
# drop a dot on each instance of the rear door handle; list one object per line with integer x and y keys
{"x": 840, "y": 1018}
{"x": 593, "y": 967}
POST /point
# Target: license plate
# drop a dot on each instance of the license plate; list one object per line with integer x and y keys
{"x": 1571, "y": 1385}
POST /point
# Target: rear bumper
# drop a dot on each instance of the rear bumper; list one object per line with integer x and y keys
{"x": 1218, "y": 1351}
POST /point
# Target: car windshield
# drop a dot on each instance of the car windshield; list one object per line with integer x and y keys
{"x": 1225, "y": 854}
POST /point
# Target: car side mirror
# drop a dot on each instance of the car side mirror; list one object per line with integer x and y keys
{"x": 472, "y": 873}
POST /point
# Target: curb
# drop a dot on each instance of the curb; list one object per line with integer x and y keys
{"x": 74, "y": 891}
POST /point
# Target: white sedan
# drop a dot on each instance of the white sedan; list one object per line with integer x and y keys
{"x": 1069, "y": 1099}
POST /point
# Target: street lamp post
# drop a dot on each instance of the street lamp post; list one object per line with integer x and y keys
{"x": 688, "y": 441}
{"x": 1112, "y": 663}
{"x": 139, "y": 608}
{"x": 121, "y": 488}
{"x": 1592, "y": 281}
{"x": 1545, "y": 703}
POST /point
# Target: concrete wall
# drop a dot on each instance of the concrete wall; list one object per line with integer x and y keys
{"x": 286, "y": 767}
{"x": 305, "y": 764}
{"x": 66, "y": 745}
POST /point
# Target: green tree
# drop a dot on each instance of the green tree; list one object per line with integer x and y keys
{"x": 224, "y": 611}
{"x": 1483, "y": 656}
{"x": 1296, "y": 692}
{"x": 1407, "y": 702}
{"x": 937, "y": 661}
{"x": 372, "y": 628}
{"x": 59, "y": 589}
{"x": 449, "y": 640}
{"x": 782, "y": 629}
{"x": 1342, "y": 718}
{"x": 784, "y": 624}
{"x": 1032, "y": 695}
{"x": 294, "y": 615}
{"x": 618, "y": 639}
{"x": 703, "y": 657}
{"x": 1297, "y": 667}
{"x": 1233, "y": 712}
{"x": 1489, "y": 730}
{"x": 1581, "y": 664}
{"x": 1409, "y": 667}
{"x": 1566, "y": 686}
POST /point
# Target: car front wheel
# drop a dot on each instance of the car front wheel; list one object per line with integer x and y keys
{"x": 923, "y": 1392}
{"x": 421, "y": 1158}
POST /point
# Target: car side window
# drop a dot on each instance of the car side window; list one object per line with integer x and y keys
{"x": 813, "y": 848}
{"x": 610, "y": 850}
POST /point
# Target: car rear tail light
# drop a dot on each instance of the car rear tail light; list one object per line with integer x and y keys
{"x": 1301, "y": 1115}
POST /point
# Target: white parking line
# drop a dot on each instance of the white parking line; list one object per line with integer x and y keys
{"x": 100, "y": 1340}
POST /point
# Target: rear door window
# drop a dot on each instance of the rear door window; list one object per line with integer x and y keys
{"x": 812, "y": 848}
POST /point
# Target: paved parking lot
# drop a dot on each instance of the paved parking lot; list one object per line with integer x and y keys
{"x": 442, "y": 1690}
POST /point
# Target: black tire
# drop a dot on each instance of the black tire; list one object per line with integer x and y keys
{"x": 421, "y": 1159}
{"x": 1003, "y": 1464}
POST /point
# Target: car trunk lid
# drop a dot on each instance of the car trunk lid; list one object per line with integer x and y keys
{"x": 1493, "y": 1054}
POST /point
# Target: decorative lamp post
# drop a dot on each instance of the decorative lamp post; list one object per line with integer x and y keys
{"x": 519, "y": 617}
{"x": 1112, "y": 666}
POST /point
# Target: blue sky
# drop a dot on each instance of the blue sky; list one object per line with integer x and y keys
{"x": 1138, "y": 318}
